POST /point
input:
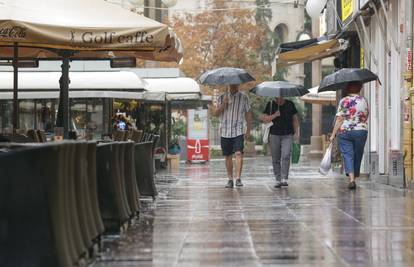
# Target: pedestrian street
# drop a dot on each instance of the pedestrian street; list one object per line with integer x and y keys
{"x": 315, "y": 221}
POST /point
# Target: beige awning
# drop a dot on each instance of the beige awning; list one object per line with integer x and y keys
{"x": 324, "y": 98}
{"x": 93, "y": 28}
{"x": 310, "y": 53}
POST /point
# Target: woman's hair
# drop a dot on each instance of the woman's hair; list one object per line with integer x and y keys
{"x": 353, "y": 88}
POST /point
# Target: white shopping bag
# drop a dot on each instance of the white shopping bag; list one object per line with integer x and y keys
{"x": 266, "y": 131}
{"x": 326, "y": 161}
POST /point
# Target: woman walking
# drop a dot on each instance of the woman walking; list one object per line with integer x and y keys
{"x": 352, "y": 130}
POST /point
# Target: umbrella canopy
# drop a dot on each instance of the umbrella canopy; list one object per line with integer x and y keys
{"x": 225, "y": 76}
{"x": 91, "y": 28}
{"x": 339, "y": 79}
{"x": 278, "y": 89}
{"x": 324, "y": 98}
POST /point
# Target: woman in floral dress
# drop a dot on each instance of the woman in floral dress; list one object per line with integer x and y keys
{"x": 352, "y": 130}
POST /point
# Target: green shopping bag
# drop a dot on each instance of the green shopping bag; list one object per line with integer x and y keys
{"x": 295, "y": 153}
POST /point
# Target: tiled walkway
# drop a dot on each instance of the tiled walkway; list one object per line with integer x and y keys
{"x": 316, "y": 221}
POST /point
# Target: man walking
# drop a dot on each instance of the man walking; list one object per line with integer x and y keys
{"x": 235, "y": 124}
{"x": 285, "y": 128}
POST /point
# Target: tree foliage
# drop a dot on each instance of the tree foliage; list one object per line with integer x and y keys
{"x": 263, "y": 17}
{"x": 221, "y": 39}
{"x": 231, "y": 38}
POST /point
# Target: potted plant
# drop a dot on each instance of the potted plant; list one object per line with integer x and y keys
{"x": 177, "y": 129}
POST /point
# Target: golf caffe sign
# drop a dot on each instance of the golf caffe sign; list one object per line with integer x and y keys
{"x": 111, "y": 37}
{"x": 83, "y": 38}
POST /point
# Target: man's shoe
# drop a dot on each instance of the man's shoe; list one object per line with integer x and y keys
{"x": 230, "y": 184}
{"x": 285, "y": 183}
{"x": 278, "y": 185}
{"x": 239, "y": 182}
{"x": 352, "y": 185}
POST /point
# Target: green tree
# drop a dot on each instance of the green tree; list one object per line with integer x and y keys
{"x": 263, "y": 17}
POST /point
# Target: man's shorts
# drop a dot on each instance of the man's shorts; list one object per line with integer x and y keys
{"x": 229, "y": 146}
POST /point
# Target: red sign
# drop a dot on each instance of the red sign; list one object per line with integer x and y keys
{"x": 197, "y": 135}
{"x": 409, "y": 60}
{"x": 197, "y": 150}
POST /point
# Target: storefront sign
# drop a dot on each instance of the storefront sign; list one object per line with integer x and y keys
{"x": 347, "y": 8}
{"x": 139, "y": 37}
{"x": 197, "y": 135}
{"x": 409, "y": 60}
{"x": 15, "y": 32}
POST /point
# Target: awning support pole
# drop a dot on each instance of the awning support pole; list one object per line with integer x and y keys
{"x": 62, "y": 119}
{"x": 338, "y": 19}
{"x": 397, "y": 47}
{"x": 382, "y": 27}
{"x": 15, "y": 87}
{"x": 366, "y": 40}
{"x": 65, "y": 95}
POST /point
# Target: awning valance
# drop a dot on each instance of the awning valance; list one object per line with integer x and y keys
{"x": 315, "y": 51}
{"x": 45, "y": 85}
{"x": 104, "y": 80}
{"x": 180, "y": 88}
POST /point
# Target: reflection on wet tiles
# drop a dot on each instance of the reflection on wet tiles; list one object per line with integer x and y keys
{"x": 316, "y": 221}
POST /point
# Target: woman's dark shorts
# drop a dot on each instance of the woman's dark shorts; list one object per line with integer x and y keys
{"x": 229, "y": 146}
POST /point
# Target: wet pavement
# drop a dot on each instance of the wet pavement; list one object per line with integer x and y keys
{"x": 316, "y": 221}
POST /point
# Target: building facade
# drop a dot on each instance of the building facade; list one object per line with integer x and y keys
{"x": 379, "y": 33}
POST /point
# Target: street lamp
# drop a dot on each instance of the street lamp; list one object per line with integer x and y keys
{"x": 315, "y": 7}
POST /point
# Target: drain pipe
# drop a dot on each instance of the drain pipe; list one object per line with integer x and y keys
{"x": 408, "y": 96}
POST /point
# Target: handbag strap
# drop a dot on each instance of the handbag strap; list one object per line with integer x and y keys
{"x": 270, "y": 109}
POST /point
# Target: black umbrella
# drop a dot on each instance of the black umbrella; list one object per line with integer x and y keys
{"x": 225, "y": 76}
{"x": 278, "y": 89}
{"x": 339, "y": 79}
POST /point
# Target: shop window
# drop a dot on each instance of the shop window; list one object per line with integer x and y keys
{"x": 45, "y": 114}
{"x": 78, "y": 116}
{"x": 6, "y": 112}
{"x": 27, "y": 115}
{"x": 94, "y": 119}
{"x": 128, "y": 114}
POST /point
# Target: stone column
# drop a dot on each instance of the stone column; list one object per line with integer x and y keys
{"x": 152, "y": 13}
{"x": 316, "y": 139}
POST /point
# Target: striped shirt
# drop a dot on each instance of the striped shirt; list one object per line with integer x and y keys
{"x": 232, "y": 119}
